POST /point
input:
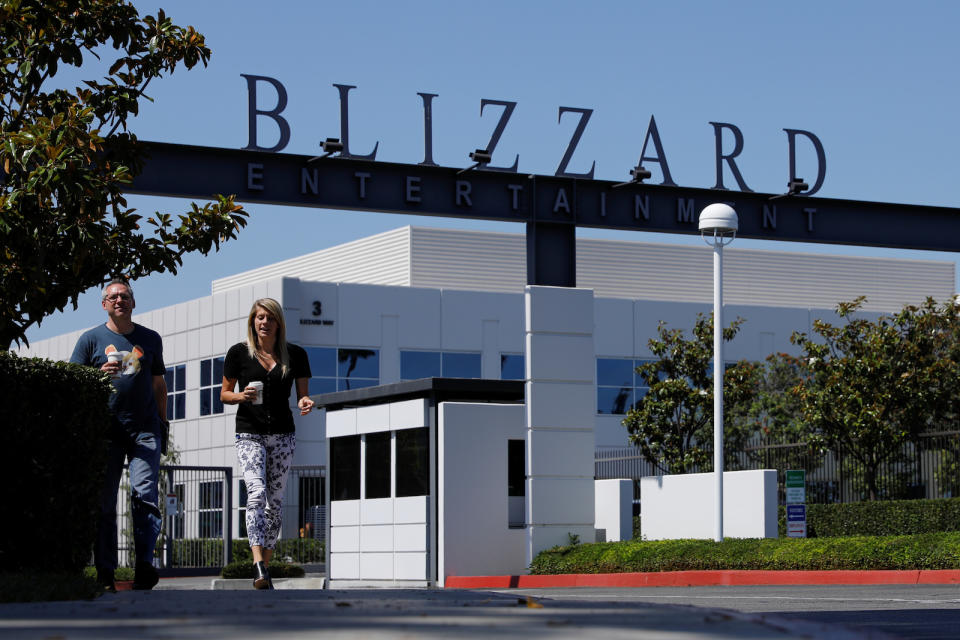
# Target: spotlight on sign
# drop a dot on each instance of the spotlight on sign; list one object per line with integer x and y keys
{"x": 638, "y": 175}
{"x": 794, "y": 188}
{"x": 329, "y": 146}
{"x": 479, "y": 157}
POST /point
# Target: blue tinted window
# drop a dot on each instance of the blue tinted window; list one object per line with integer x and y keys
{"x": 614, "y": 399}
{"x": 323, "y": 361}
{"x": 205, "y": 405}
{"x": 358, "y": 363}
{"x": 180, "y": 406}
{"x": 614, "y": 372}
{"x": 168, "y": 377}
{"x": 205, "y": 371}
{"x": 461, "y": 365}
{"x": 217, "y": 371}
{"x": 512, "y": 367}
{"x": 419, "y": 364}
{"x": 346, "y": 384}
{"x": 180, "y": 377}
{"x": 322, "y": 385}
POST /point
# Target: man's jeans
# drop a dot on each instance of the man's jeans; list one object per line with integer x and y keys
{"x": 143, "y": 451}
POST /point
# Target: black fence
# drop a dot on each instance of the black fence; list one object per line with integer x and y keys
{"x": 929, "y": 468}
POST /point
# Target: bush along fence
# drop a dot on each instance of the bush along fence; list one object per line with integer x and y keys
{"x": 929, "y": 468}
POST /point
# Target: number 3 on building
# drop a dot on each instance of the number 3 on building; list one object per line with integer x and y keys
{"x": 317, "y": 308}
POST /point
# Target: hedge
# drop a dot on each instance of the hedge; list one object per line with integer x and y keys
{"x": 277, "y": 570}
{"x": 54, "y": 420}
{"x": 924, "y": 551}
{"x": 879, "y": 518}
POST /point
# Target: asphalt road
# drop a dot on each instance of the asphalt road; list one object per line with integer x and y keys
{"x": 918, "y": 612}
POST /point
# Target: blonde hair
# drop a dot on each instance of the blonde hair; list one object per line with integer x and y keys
{"x": 273, "y": 308}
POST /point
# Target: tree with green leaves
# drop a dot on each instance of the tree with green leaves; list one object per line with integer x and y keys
{"x": 876, "y": 385}
{"x": 66, "y": 156}
{"x": 672, "y": 424}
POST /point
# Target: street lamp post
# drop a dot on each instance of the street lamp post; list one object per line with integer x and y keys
{"x": 718, "y": 227}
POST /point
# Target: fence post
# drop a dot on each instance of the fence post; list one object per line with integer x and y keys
{"x": 171, "y": 527}
{"x": 227, "y": 511}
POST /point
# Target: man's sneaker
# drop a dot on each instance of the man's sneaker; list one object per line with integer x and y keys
{"x": 105, "y": 580}
{"x": 145, "y": 577}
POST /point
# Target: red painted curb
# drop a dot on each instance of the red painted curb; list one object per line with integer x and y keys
{"x": 705, "y": 579}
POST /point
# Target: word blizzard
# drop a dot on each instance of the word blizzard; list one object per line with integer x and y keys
{"x": 483, "y": 156}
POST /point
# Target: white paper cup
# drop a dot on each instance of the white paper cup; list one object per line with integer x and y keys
{"x": 256, "y": 384}
{"x": 117, "y": 356}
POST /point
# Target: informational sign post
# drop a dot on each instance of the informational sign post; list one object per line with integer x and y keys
{"x": 171, "y": 504}
{"x": 796, "y": 521}
{"x": 796, "y": 490}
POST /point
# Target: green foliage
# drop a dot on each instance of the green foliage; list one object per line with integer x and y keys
{"x": 44, "y": 586}
{"x": 54, "y": 420}
{"x": 875, "y": 385}
{"x": 925, "y": 551}
{"x": 672, "y": 424}
{"x": 886, "y": 518}
{"x": 277, "y": 570}
{"x": 120, "y": 574}
{"x": 208, "y": 552}
{"x": 66, "y": 156}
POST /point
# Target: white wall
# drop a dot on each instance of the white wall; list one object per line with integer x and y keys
{"x": 683, "y": 506}
{"x": 473, "y": 506}
{"x": 613, "y": 509}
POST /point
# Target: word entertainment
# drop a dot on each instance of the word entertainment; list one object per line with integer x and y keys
{"x": 483, "y": 156}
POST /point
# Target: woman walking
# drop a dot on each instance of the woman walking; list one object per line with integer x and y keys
{"x": 266, "y": 366}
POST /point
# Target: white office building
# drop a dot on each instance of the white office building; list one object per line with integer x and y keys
{"x": 418, "y": 302}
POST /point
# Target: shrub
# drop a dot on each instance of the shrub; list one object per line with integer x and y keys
{"x": 54, "y": 419}
{"x": 879, "y": 518}
{"x": 925, "y": 551}
{"x": 42, "y": 586}
{"x": 277, "y": 570}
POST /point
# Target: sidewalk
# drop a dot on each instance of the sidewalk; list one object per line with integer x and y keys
{"x": 189, "y": 608}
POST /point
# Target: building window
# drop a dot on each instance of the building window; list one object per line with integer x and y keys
{"x": 211, "y": 509}
{"x": 439, "y": 364}
{"x": 178, "y": 489}
{"x": 242, "y": 512}
{"x": 377, "y": 467}
{"x": 211, "y": 381}
{"x": 345, "y": 468}
{"x": 313, "y": 519}
{"x": 618, "y": 385}
{"x": 516, "y": 483}
{"x": 176, "y": 378}
{"x": 413, "y": 462}
{"x": 512, "y": 366}
{"x": 342, "y": 369}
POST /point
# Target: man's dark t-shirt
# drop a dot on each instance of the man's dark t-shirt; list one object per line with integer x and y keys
{"x": 133, "y": 405}
{"x": 274, "y": 415}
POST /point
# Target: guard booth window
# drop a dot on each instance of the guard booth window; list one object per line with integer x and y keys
{"x": 413, "y": 462}
{"x": 378, "y": 465}
{"x": 345, "y": 468}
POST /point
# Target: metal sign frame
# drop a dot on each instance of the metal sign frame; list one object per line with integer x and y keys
{"x": 551, "y": 207}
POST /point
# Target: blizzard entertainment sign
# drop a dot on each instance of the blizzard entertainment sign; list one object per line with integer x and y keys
{"x": 483, "y": 157}
{"x": 551, "y": 206}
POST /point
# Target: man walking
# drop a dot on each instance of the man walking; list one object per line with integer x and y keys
{"x": 133, "y": 356}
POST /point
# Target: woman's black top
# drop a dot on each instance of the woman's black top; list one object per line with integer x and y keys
{"x": 274, "y": 415}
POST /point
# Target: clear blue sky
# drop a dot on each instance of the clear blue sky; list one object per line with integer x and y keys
{"x": 876, "y": 81}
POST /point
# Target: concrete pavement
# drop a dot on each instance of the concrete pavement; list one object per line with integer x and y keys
{"x": 190, "y": 608}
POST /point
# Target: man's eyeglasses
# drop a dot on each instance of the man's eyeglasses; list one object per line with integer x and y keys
{"x": 126, "y": 297}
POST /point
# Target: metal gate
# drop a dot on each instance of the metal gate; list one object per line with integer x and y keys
{"x": 196, "y": 503}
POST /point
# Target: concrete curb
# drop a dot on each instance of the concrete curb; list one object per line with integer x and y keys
{"x": 245, "y": 584}
{"x": 706, "y": 579}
